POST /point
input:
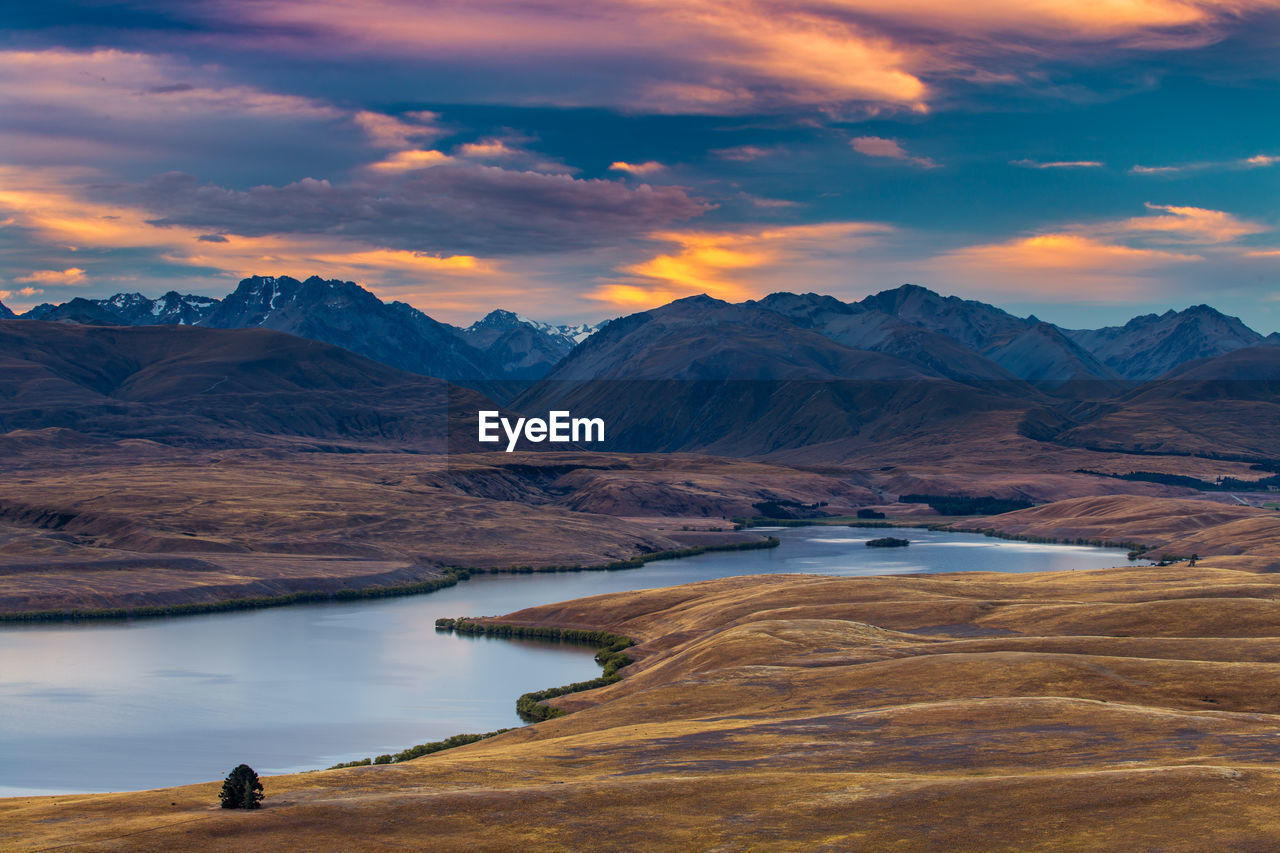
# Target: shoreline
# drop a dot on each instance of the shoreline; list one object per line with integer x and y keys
{"x": 451, "y": 576}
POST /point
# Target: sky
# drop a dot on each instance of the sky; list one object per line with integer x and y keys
{"x": 1085, "y": 162}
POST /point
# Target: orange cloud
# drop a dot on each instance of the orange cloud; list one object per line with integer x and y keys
{"x": 1065, "y": 252}
{"x": 411, "y": 160}
{"x": 1188, "y": 224}
{"x": 737, "y": 265}
{"x": 1060, "y": 164}
{"x": 393, "y": 132}
{"x": 69, "y": 276}
{"x": 26, "y": 291}
{"x": 631, "y": 298}
{"x": 876, "y": 146}
{"x": 486, "y": 149}
{"x": 384, "y": 260}
{"x": 1139, "y": 22}
{"x": 49, "y": 204}
{"x": 512, "y": 153}
{"x": 819, "y": 58}
{"x": 646, "y": 168}
{"x": 736, "y": 56}
{"x": 1063, "y": 267}
{"x": 716, "y": 56}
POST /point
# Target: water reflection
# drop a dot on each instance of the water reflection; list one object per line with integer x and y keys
{"x": 120, "y": 706}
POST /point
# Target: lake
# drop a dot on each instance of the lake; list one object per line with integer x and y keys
{"x": 111, "y": 706}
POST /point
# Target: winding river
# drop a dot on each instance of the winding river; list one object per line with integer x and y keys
{"x": 158, "y": 702}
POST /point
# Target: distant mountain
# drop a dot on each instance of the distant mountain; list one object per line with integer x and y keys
{"x": 1025, "y": 347}
{"x": 943, "y": 336}
{"x": 977, "y": 325}
{"x": 78, "y": 311}
{"x": 703, "y": 338}
{"x": 868, "y": 329}
{"x": 5, "y": 312}
{"x": 569, "y": 336}
{"x": 1259, "y": 363}
{"x": 702, "y": 374}
{"x": 213, "y": 387}
{"x": 38, "y": 312}
{"x": 503, "y": 346}
{"x": 524, "y": 348}
{"x": 346, "y": 315}
{"x": 1227, "y": 406}
{"x": 1043, "y": 353}
{"x": 1150, "y": 346}
{"x": 171, "y": 309}
{"x": 127, "y": 309}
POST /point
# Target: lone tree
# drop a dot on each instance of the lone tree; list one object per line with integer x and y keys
{"x": 242, "y": 789}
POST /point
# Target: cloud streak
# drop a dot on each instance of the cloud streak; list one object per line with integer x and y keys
{"x": 721, "y": 57}
{"x": 737, "y": 265}
{"x": 875, "y": 146}
{"x": 453, "y": 208}
{"x": 1257, "y": 161}
{"x": 646, "y": 168}
{"x": 69, "y": 276}
{"x": 1118, "y": 260}
{"x": 1060, "y": 164}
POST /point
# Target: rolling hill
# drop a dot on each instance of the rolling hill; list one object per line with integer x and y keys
{"x": 183, "y": 385}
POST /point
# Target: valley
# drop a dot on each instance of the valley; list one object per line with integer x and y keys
{"x": 162, "y": 469}
{"x": 957, "y": 711}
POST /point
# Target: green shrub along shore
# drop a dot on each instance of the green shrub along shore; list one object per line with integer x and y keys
{"x": 419, "y": 750}
{"x": 452, "y": 575}
{"x": 610, "y": 654}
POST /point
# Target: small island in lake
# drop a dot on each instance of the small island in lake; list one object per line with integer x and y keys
{"x": 887, "y": 542}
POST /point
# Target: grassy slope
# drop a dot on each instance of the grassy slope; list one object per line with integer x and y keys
{"x": 1242, "y": 537}
{"x": 1132, "y": 709}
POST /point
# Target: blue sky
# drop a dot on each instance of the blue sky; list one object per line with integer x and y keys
{"x": 1083, "y": 162}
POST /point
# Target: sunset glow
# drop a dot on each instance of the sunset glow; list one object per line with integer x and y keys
{"x": 572, "y": 162}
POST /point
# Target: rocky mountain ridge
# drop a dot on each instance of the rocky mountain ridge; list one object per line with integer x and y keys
{"x": 963, "y": 340}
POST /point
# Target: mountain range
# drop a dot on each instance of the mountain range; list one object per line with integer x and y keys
{"x": 755, "y": 378}
{"x": 961, "y": 339}
{"x": 503, "y": 345}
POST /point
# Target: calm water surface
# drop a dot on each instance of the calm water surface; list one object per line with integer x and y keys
{"x": 159, "y": 702}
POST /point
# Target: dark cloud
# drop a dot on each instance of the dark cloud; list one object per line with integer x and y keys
{"x": 455, "y": 207}
{"x": 212, "y": 238}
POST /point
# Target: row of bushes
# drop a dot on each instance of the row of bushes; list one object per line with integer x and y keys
{"x": 530, "y": 706}
{"x": 784, "y": 509}
{"x": 610, "y": 654}
{"x": 1222, "y": 484}
{"x": 966, "y": 505}
{"x": 419, "y": 750}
